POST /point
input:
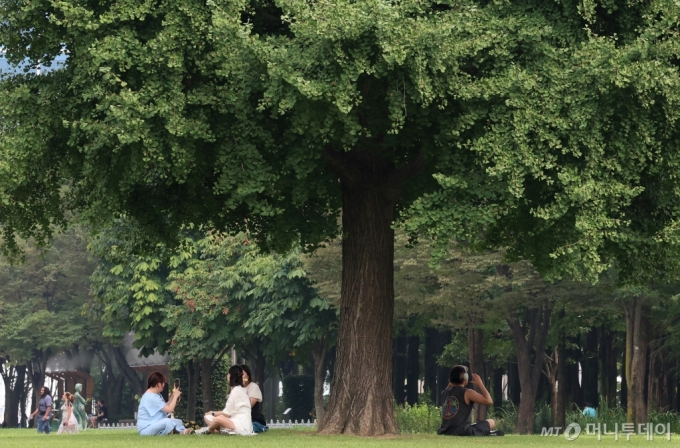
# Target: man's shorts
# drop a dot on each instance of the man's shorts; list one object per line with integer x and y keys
{"x": 479, "y": 429}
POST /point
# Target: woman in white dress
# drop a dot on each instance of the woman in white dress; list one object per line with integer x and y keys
{"x": 236, "y": 414}
{"x": 69, "y": 424}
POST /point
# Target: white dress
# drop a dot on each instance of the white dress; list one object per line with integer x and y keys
{"x": 238, "y": 409}
{"x": 68, "y": 425}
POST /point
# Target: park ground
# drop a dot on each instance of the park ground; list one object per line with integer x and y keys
{"x": 27, "y": 438}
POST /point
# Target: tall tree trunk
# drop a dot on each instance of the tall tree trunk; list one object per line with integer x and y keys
{"x": 624, "y": 382}
{"x": 399, "y": 347}
{"x": 530, "y": 338}
{"x": 14, "y": 380}
{"x": 514, "y": 388}
{"x": 608, "y": 361}
{"x": 561, "y": 395}
{"x": 192, "y": 380}
{"x": 206, "y": 384}
{"x": 636, "y": 358}
{"x": 413, "y": 369}
{"x": 430, "y": 362}
{"x": 370, "y": 191}
{"x": 498, "y": 389}
{"x": 591, "y": 372}
{"x": 136, "y": 383}
{"x": 475, "y": 342}
{"x": 445, "y": 338}
{"x": 319, "y": 353}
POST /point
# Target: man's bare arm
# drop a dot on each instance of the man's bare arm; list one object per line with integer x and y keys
{"x": 481, "y": 397}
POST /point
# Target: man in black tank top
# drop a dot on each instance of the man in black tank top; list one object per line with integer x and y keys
{"x": 457, "y": 406}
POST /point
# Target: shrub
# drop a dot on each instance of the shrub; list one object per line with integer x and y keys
{"x": 417, "y": 419}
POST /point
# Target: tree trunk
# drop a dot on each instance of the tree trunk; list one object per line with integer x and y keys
{"x": 319, "y": 353}
{"x": 514, "y": 388}
{"x": 624, "y": 382}
{"x": 561, "y": 395}
{"x": 370, "y": 191}
{"x": 475, "y": 342}
{"x": 206, "y": 384}
{"x": 636, "y": 361}
{"x": 14, "y": 381}
{"x": 591, "y": 372}
{"x": 413, "y": 370}
{"x": 498, "y": 389}
{"x": 445, "y": 338}
{"x": 608, "y": 360}
{"x": 192, "y": 380}
{"x": 399, "y": 346}
{"x": 136, "y": 383}
{"x": 530, "y": 338}
{"x": 430, "y": 363}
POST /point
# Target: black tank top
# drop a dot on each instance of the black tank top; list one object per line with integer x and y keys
{"x": 456, "y": 414}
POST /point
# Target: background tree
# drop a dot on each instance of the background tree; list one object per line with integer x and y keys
{"x": 261, "y": 108}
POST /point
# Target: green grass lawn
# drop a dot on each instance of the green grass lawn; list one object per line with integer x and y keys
{"x": 28, "y": 438}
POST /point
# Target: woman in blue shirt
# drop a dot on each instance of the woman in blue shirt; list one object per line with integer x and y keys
{"x": 152, "y": 416}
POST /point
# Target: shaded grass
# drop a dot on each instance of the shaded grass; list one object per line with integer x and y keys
{"x": 28, "y": 438}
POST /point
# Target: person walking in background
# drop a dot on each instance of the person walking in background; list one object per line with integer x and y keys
{"x": 102, "y": 414}
{"x": 69, "y": 424}
{"x": 236, "y": 414}
{"x": 44, "y": 411}
{"x": 152, "y": 416}
{"x": 255, "y": 396}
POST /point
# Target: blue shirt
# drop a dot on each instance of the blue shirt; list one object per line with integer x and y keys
{"x": 590, "y": 412}
{"x": 44, "y": 403}
{"x": 150, "y": 410}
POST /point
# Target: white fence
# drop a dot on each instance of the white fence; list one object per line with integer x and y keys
{"x": 278, "y": 425}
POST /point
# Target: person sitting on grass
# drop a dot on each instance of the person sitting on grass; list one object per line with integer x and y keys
{"x": 458, "y": 402}
{"x": 589, "y": 411}
{"x": 236, "y": 415}
{"x": 152, "y": 416}
{"x": 255, "y": 396}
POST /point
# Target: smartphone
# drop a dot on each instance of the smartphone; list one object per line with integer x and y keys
{"x": 177, "y": 387}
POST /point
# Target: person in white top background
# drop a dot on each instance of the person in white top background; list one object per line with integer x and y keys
{"x": 236, "y": 414}
{"x": 255, "y": 395}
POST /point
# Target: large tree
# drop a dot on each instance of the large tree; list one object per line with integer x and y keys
{"x": 274, "y": 116}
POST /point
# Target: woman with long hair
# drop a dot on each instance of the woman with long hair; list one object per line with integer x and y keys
{"x": 255, "y": 396}
{"x": 69, "y": 424}
{"x": 236, "y": 414}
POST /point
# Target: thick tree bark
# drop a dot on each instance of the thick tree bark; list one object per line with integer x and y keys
{"x": 636, "y": 361}
{"x": 530, "y": 338}
{"x": 136, "y": 383}
{"x": 14, "y": 380}
{"x": 370, "y": 191}
{"x": 475, "y": 342}
{"x": 319, "y": 353}
{"x": 624, "y": 382}
{"x": 430, "y": 362}
{"x": 445, "y": 338}
{"x": 591, "y": 366}
{"x": 608, "y": 361}
{"x": 561, "y": 395}
{"x": 514, "y": 387}
{"x": 206, "y": 384}
{"x": 399, "y": 346}
{"x": 498, "y": 389}
{"x": 413, "y": 369}
{"x": 191, "y": 388}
